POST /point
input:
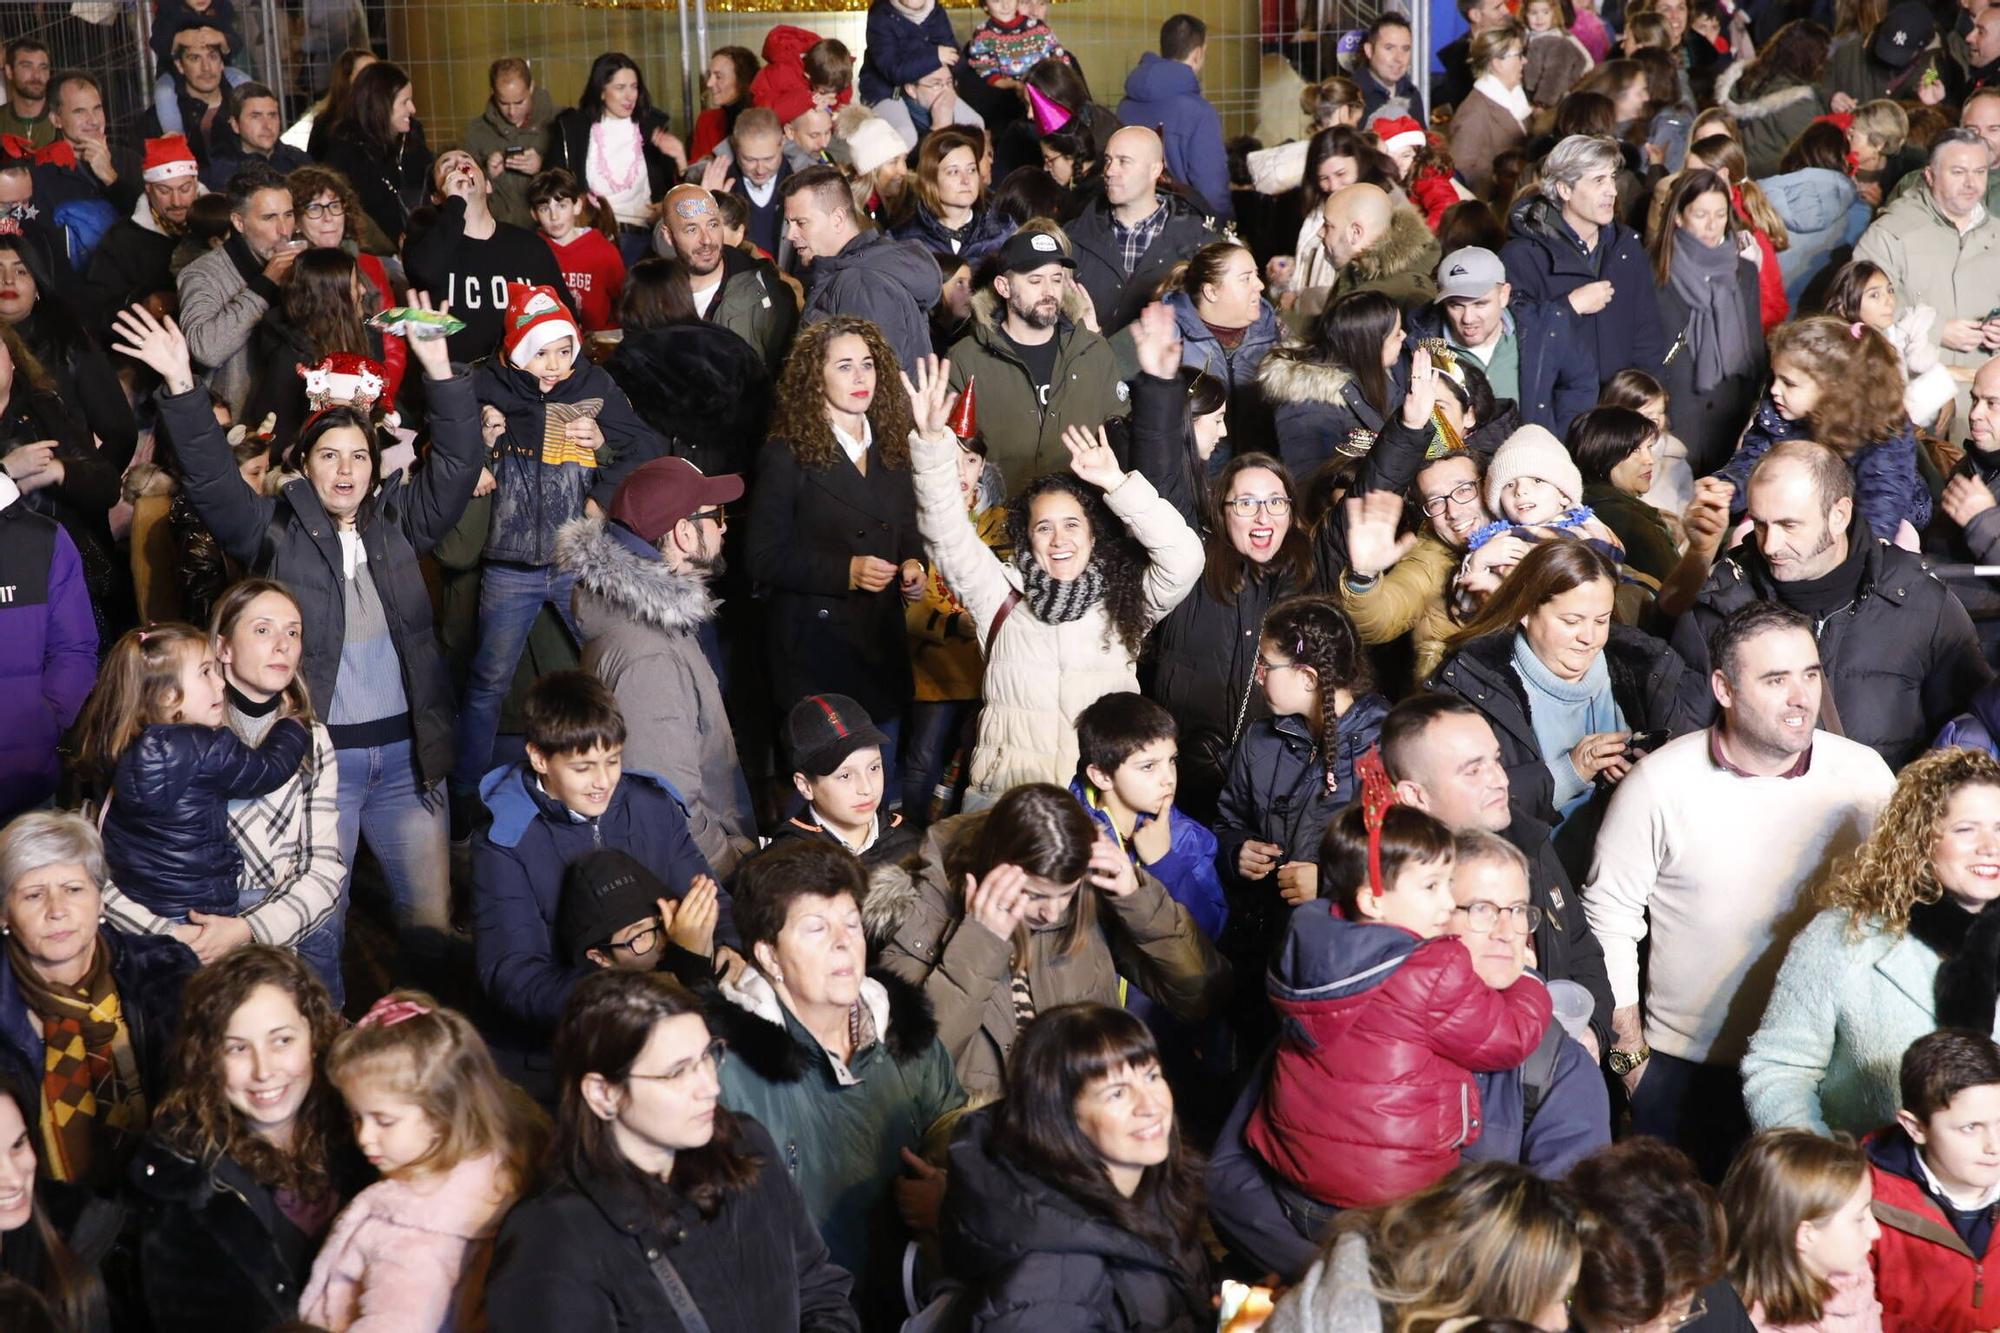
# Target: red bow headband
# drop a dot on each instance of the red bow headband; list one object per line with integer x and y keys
{"x": 388, "y": 1011}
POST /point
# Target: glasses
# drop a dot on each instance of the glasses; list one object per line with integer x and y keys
{"x": 711, "y": 1056}
{"x": 1462, "y": 494}
{"x": 1243, "y": 506}
{"x": 641, "y": 944}
{"x": 331, "y": 209}
{"x": 1267, "y": 668}
{"x": 720, "y": 514}
{"x": 1484, "y": 916}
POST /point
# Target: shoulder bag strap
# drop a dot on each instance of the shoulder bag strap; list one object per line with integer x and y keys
{"x": 677, "y": 1293}
{"x": 1000, "y": 616}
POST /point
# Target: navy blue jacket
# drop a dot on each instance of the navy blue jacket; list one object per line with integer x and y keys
{"x": 166, "y": 832}
{"x": 1545, "y": 262}
{"x": 1165, "y": 95}
{"x": 1887, "y": 486}
{"x": 1558, "y": 359}
{"x": 898, "y": 51}
{"x": 517, "y": 866}
{"x": 984, "y": 234}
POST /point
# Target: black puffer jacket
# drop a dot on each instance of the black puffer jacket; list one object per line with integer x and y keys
{"x": 289, "y": 537}
{"x": 1031, "y": 1257}
{"x": 575, "y": 1256}
{"x": 1118, "y": 297}
{"x": 81, "y": 501}
{"x": 1901, "y": 659}
{"x": 703, "y": 389}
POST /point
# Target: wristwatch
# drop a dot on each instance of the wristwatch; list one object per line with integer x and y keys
{"x": 1624, "y": 1062}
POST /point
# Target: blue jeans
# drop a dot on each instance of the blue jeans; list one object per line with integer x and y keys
{"x": 408, "y": 831}
{"x": 934, "y": 732}
{"x": 510, "y": 599}
{"x": 320, "y": 948}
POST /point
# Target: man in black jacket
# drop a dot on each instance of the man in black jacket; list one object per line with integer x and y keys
{"x": 468, "y": 256}
{"x": 865, "y": 274}
{"x": 1130, "y": 238}
{"x": 1444, "y": 759}
{"x": 1900, "y": 653}
{"x": 134, "y": 261}
{"x": 255, "y": 121}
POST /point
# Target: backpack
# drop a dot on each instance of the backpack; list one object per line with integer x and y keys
{"x": 84, "y": 222}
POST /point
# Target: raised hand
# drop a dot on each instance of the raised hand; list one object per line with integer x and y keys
{"x": 1422, "y": 397}
{"x": 692, "y": 922}
{"x": 931, "y": 399}
{"x": 1372, "y": 543}
{"x": 1157, "y": 338}
{"x": 1091, "y": 457}
{"x": 715, "y": 177}
{"x": 155, "y": 342}
{"x": 999, "y": 901}
{"x": 1156, "y": 838}
{"x": 429, "y": 347}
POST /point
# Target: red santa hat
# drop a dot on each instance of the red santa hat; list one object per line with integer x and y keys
{"x": 346, "y": 380}
{"x": 168, "y": 158}
{"x": 536, "y": 317}
{"x": 1398, "y": 132}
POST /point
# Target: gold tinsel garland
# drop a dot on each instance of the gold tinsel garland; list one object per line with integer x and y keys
{"x": 748, "y": 6}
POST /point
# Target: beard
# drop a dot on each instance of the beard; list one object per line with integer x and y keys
{"x": 1041, "y": 315}
{"x": 711, "y": 567}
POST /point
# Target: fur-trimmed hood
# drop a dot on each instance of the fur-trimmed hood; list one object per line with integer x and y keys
{"x": 1409, "y": 246}
{"x": 614, "y": 565}
{"x": 1766, "y": 104}
{"x": 1291, "y": 379}
{"x": 748, "y": 1015}
{"x": 146, "y": 479}
{"x": 892, "y": 891}
{"x": 986, "y": 312}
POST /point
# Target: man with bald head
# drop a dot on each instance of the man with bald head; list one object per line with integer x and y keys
{"x": 1378, "y": 245}
{"x": 733, "y": 288}
{"x": 1132, "y": 235}
{"x": 1900, "y": 654}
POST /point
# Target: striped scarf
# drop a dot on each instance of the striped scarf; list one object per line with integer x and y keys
{"x": 1058, "y": 601}
{"x": 93, "y": 1109}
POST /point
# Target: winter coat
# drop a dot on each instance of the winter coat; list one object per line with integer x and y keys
{"x": 892, "y": 283}
{"x": 1039, "y": 677}
{"x": 1402, "y": 100}
{"x": 391, "y": 182}
{"x": 1556, "y": 60}
{"x": 491, "y": 132}
{"x": 289, "y": 537}
{"x": 1979, "y": 541}
{"x": 1145, "y": 937}
{"x": 841, "y": 1137}
{"x": 166, "y": 826}
{"x": 1186, "y": 870}
{"x": 1335, "y": 1295}
{"x": 1034, "y": 1258}
{"x": 983, "y": 234}
{"x": 899, "y": 49}
{"x": 1401, "y": 264}
{"x": 1118, "y": 296}
{"x": 48, "y": 651}
{"x": 569, "y": 146}
{"x": 1850, "y": 1307}
{"x": 133, "y": 261}
{"x": 1165, "y": 96}
{"x": 1888, "y": 488}
{"x": 1411, "y": 597}
{"x": 1854, "y": 70}
{"x": 700, "y": 387}
{"x": 1813, "y": 204}
{"x": 227, "y": 156}
{"x": 1371, "y": 1096}
{"x": 1650, "y": 683}
{"x": 1546, "y": 262}
{"x": 1640, "y": 528}
{"x": 398, "y": 1257}
{"x": 1900, "y": 661}
{"x": 579, "y": 1255}
{"x": 1711, "y": 421}
{"x": 1932, "y": 264}
{"x": 1236, "y": 367}
{"x": 1771, "y": 119}
{"x": 1023, "y": 435}
{"x": 82, "y": 501}
{"x": 1480, "y": 130}
{"x": 84, "y": 377}
{"x": 756, "y": 305}
{"x": 1557, "y": 358}
{"x": 806, "y": 525}
{"x": 223, "y": 295}
{"x": 542, "y": 480}
{"x": 1926, "y": 1276}
{"x": 518, "y": 862}
{"x": 945, "y": 662}
{"x": 1318, "y": 411}
{"x": 642, "y": 625}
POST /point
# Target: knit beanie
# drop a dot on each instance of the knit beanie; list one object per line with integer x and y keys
{"x": 1532, "y": 452}
{"x": 536, "y": 317}
{"x": 871, "y": 143}
{"x": 602, "y": 893}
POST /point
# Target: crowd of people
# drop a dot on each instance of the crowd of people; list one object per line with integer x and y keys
{"x": 929, "y": 705}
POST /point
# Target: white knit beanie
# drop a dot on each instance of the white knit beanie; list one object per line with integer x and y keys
{"x": 873, "y": 142}
{"x": 1532, "y": 452}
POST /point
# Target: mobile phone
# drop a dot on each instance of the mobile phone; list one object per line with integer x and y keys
{"x": 1645, "y": 742}
{"x": 518, "y": 150}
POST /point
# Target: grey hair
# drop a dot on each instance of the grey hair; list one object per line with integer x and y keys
{"x": 1951, "y": 138}
{"x": 1576, "y": 157}
{"x": 1479, "y": 845}
{"x": 44, "y": 838}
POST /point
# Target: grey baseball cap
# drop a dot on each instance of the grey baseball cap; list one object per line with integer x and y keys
{"x": 1470, "y": 271}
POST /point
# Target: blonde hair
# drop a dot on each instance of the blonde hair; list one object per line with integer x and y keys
{"x": 1885, "y": 122}
{"x": 433, "y": 1057}
{"x": 1490, "y": 45}
{"x": 1881, "y": 880}
{"x": 139, "y": 686}
{"x": 1781, "y": 1178}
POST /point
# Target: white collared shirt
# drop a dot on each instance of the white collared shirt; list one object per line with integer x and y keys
{"x": 1986, "y": 1200}
{"x": 852, "y": 447}
{"x": 874, "y": 820}
{"x": 760, "y": 195}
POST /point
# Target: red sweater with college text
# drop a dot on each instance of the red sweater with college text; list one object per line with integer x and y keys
{"x": 595, "y": 272}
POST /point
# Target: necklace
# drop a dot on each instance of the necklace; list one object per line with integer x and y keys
{"x": 636, "y": 163}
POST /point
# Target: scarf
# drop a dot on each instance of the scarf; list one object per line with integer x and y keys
{"x": 1562, "y": 712}
{"x": 1513, "y": 100}
{"x": 1053, "y": 601}
{"x": 1719, "y": 331}
{"x": 93, "y": 1110}
{"x": 1968, "y": 945}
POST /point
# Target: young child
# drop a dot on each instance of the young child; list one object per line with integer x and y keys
{"x": 1371, "y": 1095}
{"x": 615, "y": 913}
{"x": 1842, "y": 385}
{"x": 1534, "y": 491}
{"x": 838, "y": 766}
{"x": 905, "y": 40}
{"x": 590, "y": 263}
{"x": 156, "y": 730}
{"x": 1589, "y": 29}
{"x": 456, "y": 1145}
{"x": 1673, "y": 479}
{"x": 1556, "y": 59}
{"x": 1009, "y": 43}
{"x": 1936, "y": 1181}
{"x": 1800, "y": 1231}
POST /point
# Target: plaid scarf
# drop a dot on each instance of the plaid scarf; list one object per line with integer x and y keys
{"x": 93, "y": 1110}
{"x": 1058, "y": 601}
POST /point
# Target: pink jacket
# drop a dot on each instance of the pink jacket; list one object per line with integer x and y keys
{"x": 398, "y": 1256}
{"x": 1852, "y": 1308}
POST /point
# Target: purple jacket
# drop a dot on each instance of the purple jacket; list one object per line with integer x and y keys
{"x": 48, "y": 652}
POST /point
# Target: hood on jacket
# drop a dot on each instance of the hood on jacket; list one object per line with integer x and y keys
{"x": 1409, "y": 246}
{"x": 1292, "y": 379}
{"x": 1763, "y": 105}
{"x": 1157, "y": 79}
{"x": 515, "y": 800}
{"x": 1539, "y": 216}
{"x": 1324, "y": 958}
{"x": 775, "y": 1046}
{"x": 987, "y": 314}
{"x": 1812, "y": 199}
{"x": 1264, "y": 329}
{"x": 907, "y": 264}
{"x": 615, "y": 564}
{"x": 893, "y": 889}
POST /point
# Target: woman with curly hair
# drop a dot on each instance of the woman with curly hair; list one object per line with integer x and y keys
{"x": 330, "y": 217}
{"x": 249, "y": 1158}
{"x": 1099, "y": 558}
{"x": 1904, "y": 944}
{"x": 833, "y": 526}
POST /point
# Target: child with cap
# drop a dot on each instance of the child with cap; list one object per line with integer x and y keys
{"x": 1535, "y": 491}
{"x": 560, "y": 434}
{"x": 837, "y": 766}
{"x": 615, "y": 913}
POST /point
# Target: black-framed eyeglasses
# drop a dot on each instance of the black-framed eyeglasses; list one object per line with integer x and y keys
{"x": 1483, "y": 917}
{"x": 1464, "y": 493}
{"x": 712, "y": 1056}
{"x": 333, "y": 208}
{"x": 1243, "y": 506}
{"x": 720, "y": 514}
{"x": 642, "y": 944}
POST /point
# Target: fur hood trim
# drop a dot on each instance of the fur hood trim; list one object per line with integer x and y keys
{"x": 1288, "y": 379}
{"x": 1757, "y": 108}
{"x": 986, "y": 310}
{"x": 647, "y": 590}
{"x": 1399, "y": 251}
{"x": 892, "y": 891}
{"x": 144, "y": 479}
{"x": 754, "y": 1024}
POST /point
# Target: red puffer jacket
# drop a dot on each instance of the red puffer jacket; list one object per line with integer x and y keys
{"x": 1371, "y": 1096}
{"x": 1926, "y": 1276}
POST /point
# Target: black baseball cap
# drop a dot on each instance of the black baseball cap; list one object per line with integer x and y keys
{"x": 1905, "y": 34}
{"x": 1026, "y": 251}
